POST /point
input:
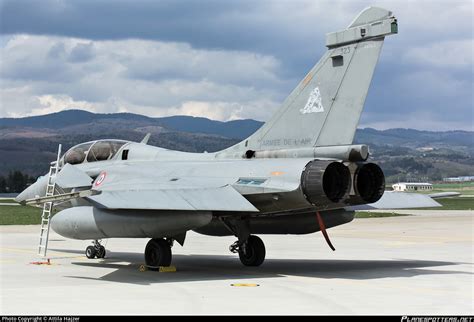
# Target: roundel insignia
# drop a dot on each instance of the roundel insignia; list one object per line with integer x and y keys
{"x": 100, "y": 179}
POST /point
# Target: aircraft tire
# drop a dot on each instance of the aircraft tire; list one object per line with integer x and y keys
{"x": 91, "y": 252}
{"x": 254, "y": 252}
{"x": 157, "y": 253}
{"x": 101, "y": 252}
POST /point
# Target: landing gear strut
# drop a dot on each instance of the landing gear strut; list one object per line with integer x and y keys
{"x": 96, "y": 250}
{"x": 158, "y": 253}
{"x": 251, "y": 252}
{"x": 250, "y": 248}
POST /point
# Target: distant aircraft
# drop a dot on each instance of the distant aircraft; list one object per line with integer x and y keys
{"x": 298, "y": 174}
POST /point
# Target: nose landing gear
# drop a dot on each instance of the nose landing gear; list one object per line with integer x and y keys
{"x": 96, "y": 250}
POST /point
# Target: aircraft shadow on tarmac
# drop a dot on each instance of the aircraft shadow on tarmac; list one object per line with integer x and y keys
{"x": 214, "y": 267}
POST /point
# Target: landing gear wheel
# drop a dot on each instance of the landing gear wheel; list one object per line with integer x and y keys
{"x": 101, "y": 252}
{"x": 252, "y": 252}
{"x": 91, "y": 252}
{"x": 157, "y": 253}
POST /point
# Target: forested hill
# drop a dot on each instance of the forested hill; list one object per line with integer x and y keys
{"x": 29, "y": 144}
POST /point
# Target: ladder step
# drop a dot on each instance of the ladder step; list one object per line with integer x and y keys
{"x": 48, "y": 207}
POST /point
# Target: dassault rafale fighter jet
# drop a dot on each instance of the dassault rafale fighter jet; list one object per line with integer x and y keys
{"x": 298, "y": 174}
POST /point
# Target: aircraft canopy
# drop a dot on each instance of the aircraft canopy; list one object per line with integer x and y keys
{"x": 92, "y": 151}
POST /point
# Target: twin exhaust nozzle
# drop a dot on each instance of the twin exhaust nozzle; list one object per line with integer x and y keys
{"x": 327, "y": 184}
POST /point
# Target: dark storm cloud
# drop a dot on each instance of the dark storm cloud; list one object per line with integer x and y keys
{"x": 424, "y": 75}
{"x": 255, "y": 26}
{"x": 99, "y": 20}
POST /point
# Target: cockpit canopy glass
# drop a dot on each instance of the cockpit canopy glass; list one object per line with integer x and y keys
{"x": 104, "y": 150}
{"x": 93, "y": 151}
{"x": 77, "y": 154}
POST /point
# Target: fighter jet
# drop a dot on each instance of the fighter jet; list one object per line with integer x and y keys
{"x": 298, "y": 174}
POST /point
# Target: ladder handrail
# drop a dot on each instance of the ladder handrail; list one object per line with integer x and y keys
{"x": 48, "y": 206}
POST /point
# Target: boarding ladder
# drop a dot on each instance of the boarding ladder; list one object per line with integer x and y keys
{"x": 48, "y": 206}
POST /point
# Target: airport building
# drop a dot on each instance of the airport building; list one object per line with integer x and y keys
{"x": 459, "y": 179}
{"x": 412, "y": 186}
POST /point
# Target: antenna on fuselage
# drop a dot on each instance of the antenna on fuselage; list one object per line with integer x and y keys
{"x": 146, "y": 138}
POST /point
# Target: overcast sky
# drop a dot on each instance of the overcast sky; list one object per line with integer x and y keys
{"x": 227, "y": 59}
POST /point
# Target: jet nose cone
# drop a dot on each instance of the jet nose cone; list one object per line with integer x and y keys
{"x": 37, "y": 189}
{"x": 22, "y": 196}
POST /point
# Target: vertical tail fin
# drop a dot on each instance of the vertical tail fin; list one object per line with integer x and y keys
{"x": 324, "y": 109}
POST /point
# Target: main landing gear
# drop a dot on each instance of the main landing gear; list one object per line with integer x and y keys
{"x": 251, "y": 252}
{"x": 158, "y": 253}
{"x": 250, "y": 248}
{"x": 96, "y": 250}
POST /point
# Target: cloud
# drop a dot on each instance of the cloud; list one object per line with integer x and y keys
{"x": 141, "y": 76}
{"x": 260, "y": 109}
{"x": 288, "y": 30}
{"x": 227, "y": 59}
{"x": 82, "y": 52}
{"x": 15, "y": 101}
{"x": 444, "y": 54}
{"x": 31, "y": 58}
{"x": 57, "y": 103}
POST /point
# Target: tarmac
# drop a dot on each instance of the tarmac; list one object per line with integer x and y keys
{"x": 413, "y": 265}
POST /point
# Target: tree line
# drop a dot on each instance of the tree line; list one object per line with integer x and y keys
{"x": 15, "y": 181}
